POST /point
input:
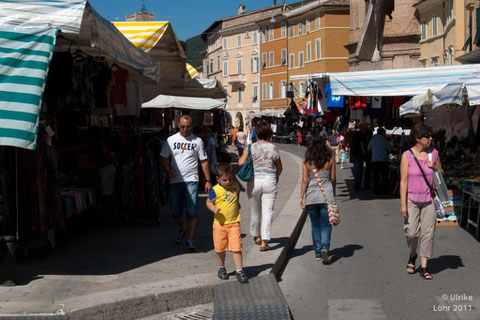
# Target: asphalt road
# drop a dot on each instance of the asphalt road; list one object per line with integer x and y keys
{"x": 368, "y": 278}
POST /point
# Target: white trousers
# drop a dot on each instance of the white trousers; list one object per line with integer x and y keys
{"x": 262, "y": 194}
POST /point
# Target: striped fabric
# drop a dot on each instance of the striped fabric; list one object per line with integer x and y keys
{"x": 144, "y": 35}
{"x": 191, "y": 71}
{"x": 24, "y": 62}
{"x": 397, "y": 82}
{"x": 453, "y": 91}
{"x": 66, "y": 15}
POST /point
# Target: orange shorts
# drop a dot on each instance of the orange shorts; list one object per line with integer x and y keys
{"x": 227, "y": 237}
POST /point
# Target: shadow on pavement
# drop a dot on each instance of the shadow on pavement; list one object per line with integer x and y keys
{"x": 253, "y": 271}
{"x": 349, "y": 193}
{"x": 437, "y": 265}
{"x": 345, "y": 252}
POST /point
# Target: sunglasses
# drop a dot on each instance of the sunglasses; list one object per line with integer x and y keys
{"x": 184, "y": 127}
{"x": 428, "y": 136}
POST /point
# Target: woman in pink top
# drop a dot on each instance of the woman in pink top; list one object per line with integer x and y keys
{"x": 416, "y": 197}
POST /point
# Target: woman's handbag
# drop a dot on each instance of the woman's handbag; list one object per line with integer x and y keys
{"x": 333, "y": 214}
{"x": 246, "y": 171}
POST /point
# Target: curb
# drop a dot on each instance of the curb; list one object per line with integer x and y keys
{"x": 142, "y": 301}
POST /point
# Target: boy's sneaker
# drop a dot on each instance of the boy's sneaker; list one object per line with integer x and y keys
{"x": 222, "y": 274}
{"x": 181, "y": 235}
{"x": 325, "y": 258}
{"x": 318, "y": 256}
{"x": 191, "y": 245}
{"x": 242, "y": 277}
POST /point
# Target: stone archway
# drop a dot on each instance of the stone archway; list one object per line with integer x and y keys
{"x": 239, "y": 121}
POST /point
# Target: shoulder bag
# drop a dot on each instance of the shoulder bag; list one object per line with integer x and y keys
{"x": 439, "y": 207}
{"x": 333, "y": 214}
{"x": 246, "y": 171}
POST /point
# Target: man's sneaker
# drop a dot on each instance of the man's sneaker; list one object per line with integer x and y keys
{"x": 242, "y": 277}
{"x": 191, "y": 245}
{"x": 318, "y": 256}
{"x": 325, "y": 258}
{"x": 222, "y": 274}
{"x": 181, "y": 235}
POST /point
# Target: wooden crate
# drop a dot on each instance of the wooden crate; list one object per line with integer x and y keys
{"x": 442, "y": 223}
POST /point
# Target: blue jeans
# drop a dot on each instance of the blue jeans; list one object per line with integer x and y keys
{"x": 357, "y": 171}
{"x": 321, "y": 228}
{"x": 183, "y": 195}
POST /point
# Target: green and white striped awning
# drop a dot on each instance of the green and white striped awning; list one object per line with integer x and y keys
{"x": 25, "y": 56}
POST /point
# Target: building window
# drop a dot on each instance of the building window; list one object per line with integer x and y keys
{"x": 264, "y": 91}
{"x": 225, "y": 68}
{"x": 434, "y": 62}
{"x": 424, "y": 29}
{"x": 240, "y": 94}
{"x": 239, "y": 65}
{"x": 208, "y": 71}
{"x": 318, "y": 49}
{"x": 239, "y": 41}
{"x": 317, "y": 21}
{"x": 307, "y": 25}
{"x": 225, "y": 44}
{"x": 255, "y": 93}
{"x": 284, "y": 30}
{"x": 255, "y": 65}
{"x": 301, "y": 89}
{"x": 263, "y": 35}
{"x": 270, "y": 91}
{"x": 218, "y": 63}
{"x": 271, "y": 59}
{"x": 309, "y": 51}
{"x": 292, "y": 60}
{"x": 211, "y": 65}
{"x": 264, "y": 60}
{"x": 423, "y": 63}
{"x": 300, "y": 59}
{"x": 450, "y": 55}
{"x": 434, "y": 25}
{"x": 283, "y": 89}
{"x": 270, "y": 33}
{"x": 291, "y": 31}
{"x": 284, "y": 57}
{"x": 300, "y": 28}
{"x": 254, "y": 37}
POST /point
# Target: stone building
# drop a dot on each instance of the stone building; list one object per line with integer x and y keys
{"x": 399, "y": 43}
{"x": 232, "y": 57}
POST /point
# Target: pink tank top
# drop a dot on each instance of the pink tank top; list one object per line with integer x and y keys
{"x": 417, "y": 188}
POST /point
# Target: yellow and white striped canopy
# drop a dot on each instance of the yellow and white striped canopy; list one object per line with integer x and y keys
{"x": 192, "y": 72}
{"x": 144, "y": 35}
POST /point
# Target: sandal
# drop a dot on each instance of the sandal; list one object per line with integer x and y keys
{"x": 266, "y": 248}
{"x": 411, "y": 264}
{"x": 425, "y": 274}
{"x": 257, "y": 240}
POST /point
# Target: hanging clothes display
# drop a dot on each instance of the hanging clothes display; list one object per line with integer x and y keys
{"x": 314, "y": 100}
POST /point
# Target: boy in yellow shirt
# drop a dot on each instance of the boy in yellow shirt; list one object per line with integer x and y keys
{"x": 223, "y": 202}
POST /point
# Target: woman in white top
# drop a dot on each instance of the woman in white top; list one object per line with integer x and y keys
{"x": 267, "y": 167}
{"x": 240, "y": 142}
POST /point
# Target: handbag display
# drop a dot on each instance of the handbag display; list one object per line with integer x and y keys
{"x": 332, "y": 209}
{"x": 246, "y": 171}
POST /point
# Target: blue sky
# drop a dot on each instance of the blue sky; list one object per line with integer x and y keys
{"x": 188, "y": 17}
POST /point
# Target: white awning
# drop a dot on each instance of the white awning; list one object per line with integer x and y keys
{"x": 163, "y": 102}
{"x": 79, "y": 22}
{"x": 454, "y": 91}
{"x": 202, "y": 88}
{"x": 397, "y": 82}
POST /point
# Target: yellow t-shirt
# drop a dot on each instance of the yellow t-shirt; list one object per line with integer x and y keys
{"x": 227, "y": 200}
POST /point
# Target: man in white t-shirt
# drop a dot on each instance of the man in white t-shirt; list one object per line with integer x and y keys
{"x": 185, "y": 150}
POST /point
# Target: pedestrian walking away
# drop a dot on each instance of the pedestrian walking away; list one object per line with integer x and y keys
{"x": 380, "y": 147}
{"x": 185, "y": 150}
{"x": 319, "y": 162}
{"x": 223, "y": 201}
{"x": 333, "y": 141}
{"x": 358, "y": 151}
{"x": 416, "y": 191}
{"x": 262, "y": 188}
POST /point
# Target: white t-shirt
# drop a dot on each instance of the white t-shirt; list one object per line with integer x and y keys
{"x": 185, "y": 152}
